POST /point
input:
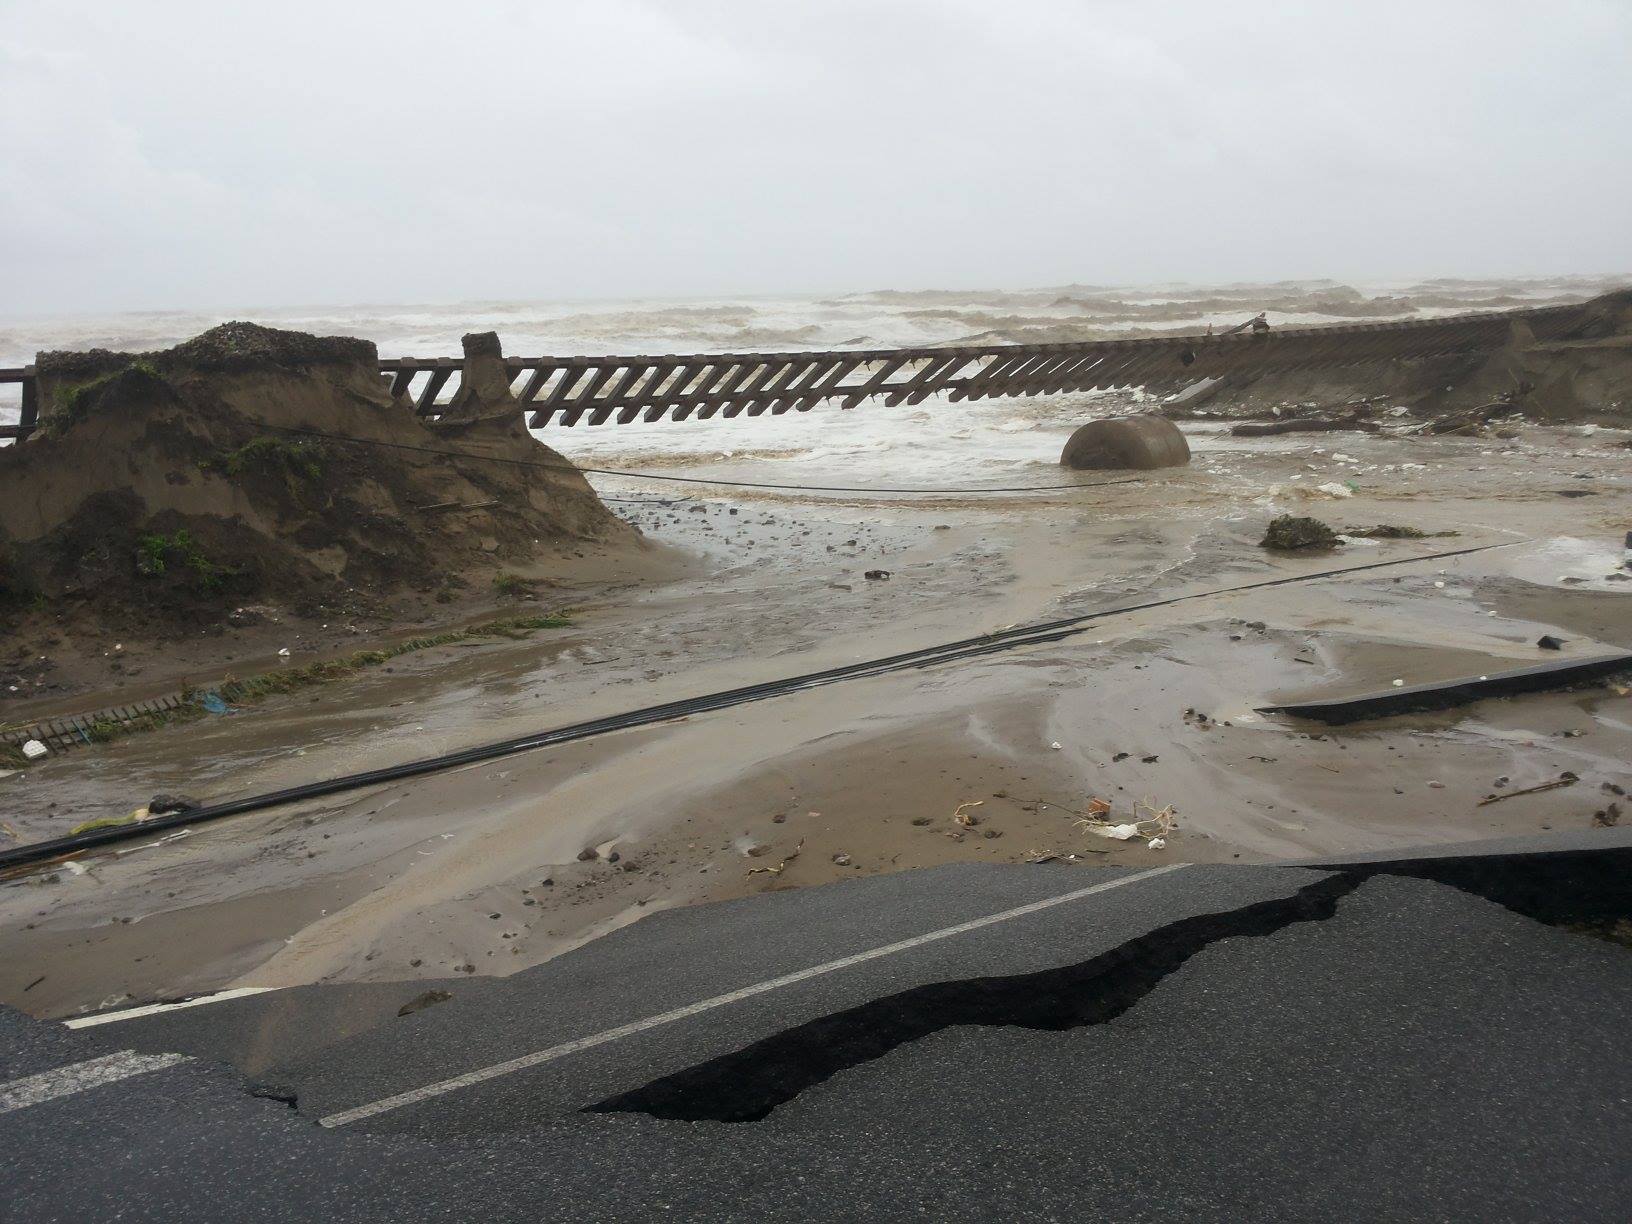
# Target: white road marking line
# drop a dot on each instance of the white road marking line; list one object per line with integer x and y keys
{"x": 153, "y": 1009}
{"x": 77, "y": 1077}
{"x": 414, "y": 1096}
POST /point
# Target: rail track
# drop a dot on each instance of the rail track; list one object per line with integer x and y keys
{"x": 566, "y": 391}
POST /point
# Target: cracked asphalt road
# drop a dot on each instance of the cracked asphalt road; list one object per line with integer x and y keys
{"x": 1418, "y": 1051}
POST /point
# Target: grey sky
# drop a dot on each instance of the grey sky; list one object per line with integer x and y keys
{"x": 176, "y": 154}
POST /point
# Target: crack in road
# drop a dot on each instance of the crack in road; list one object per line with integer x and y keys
{"x": 748, "y": 1084}
{"x": 1557, "y": 889}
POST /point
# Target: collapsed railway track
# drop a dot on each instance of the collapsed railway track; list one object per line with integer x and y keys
{"x": 619, "y": 390}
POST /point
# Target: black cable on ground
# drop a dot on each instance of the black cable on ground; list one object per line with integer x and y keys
{"x": 735, "y": 484}
{"x": 929, "y": 656}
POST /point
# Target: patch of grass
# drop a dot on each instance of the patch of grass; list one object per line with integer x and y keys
{"x": 156, "y": 553}
{"x": 103, "y": 731}
{"x": 512, "y": 586}
{"x": 519, "y": 626}
{"x": 70, "y": 404}
{"x": 296, "y": 459}
{"x": 294, "y": 679}
{"x": 106, "y": 730}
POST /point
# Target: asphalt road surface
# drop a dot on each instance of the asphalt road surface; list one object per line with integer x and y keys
{"x": 1384, "y": 1040}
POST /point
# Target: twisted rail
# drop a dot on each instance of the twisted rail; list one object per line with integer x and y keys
{"x": 598, "y": 390}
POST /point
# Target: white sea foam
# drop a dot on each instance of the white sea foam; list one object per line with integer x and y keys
{"x": 935, "y": 443}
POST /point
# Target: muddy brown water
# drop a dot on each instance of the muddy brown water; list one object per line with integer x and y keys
{"x": 402, "y": 881}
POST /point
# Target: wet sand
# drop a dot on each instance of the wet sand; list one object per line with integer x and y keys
{"x": 478, "y": 870}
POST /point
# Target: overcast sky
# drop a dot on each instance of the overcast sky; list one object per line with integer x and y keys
{"x": 169, "y": 154}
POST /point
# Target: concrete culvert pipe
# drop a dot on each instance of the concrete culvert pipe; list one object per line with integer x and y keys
{"x": 1140, "y": 442}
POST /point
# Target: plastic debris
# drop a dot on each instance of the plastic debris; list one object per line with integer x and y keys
{"x": 34, "y": 750}
{"x": 212, "y": 703}
{"x": 783, "y": 865}
{"x": 1333, "y": 489}
{"x": 283, "y": 653}
{"x": 108, "y": 822}
{"x": 1055, "y": 745}
{"x": 966, "y": 819}
{"x": 1156, "y": 826}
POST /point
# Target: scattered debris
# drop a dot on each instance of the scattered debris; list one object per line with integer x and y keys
{"x": 967, "y": 819}
{"x": 588, "y": 854}
{"x": 1290, "y": 533}
{"x": 1607, "y": 818}
{"x": 1156, "y": 826}
{"x": 1548, "y": 642}
{"x": 783, "y": 865}
{"x": 107, "y": 822}
{"x": 841, "y": 860}
{"x": 1564, "y": 779}
{"x": 876, "y": 575}
{"x": 160, "y": 805}
{"x": 1357, "y": 420}
{"x": 1391, "y": 531}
